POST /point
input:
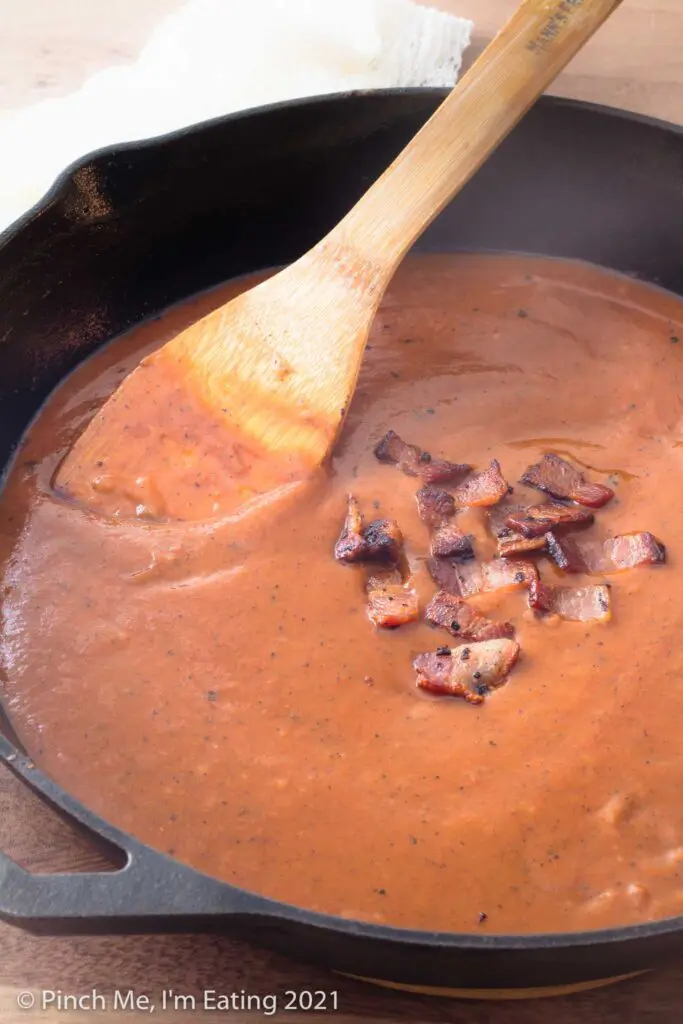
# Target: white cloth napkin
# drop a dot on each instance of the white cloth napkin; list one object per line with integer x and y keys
{"x": 213, "y": 57}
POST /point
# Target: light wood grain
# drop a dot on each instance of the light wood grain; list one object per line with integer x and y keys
{"x": 636, "y": 62}
{"x": 49, "y": 47}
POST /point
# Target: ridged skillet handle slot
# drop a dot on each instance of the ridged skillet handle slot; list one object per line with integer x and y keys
{"x": 149, "y": 886}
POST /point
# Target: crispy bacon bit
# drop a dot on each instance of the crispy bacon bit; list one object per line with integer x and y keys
{"x": 569, "y": 555}
{"x": 560, "y": 479}
{"x": 537, "y": 520}
{"x": 390, "y": 602}
{"x": 463, "y": 621}
{"x": 589, "y": 555}
{"x": 485, "y": 668}
{"x": 466, "y": 580}
{"x": 498, "y": 574}
{"x": 444, "y": 572}
{"x": 450, "y": 542}
{"x": 381, "y": 541}
{"x": 577, "y": 604}
{"x": 350, "y": 546}
{"x": 509, "y": 541}
{"x": 394, "y": 450}
{"x": 497, "y": 519}
{"x": 485, "y": 488}
{"x": 514, "y": 544}
{"x": 414, "y": 462}
{"x": 631, "y": 549}
{"x": 440, "y": 471}
{"x": 436, "y": 507}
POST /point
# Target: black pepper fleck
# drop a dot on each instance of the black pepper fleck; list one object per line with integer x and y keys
{"x": 465, "y": 654}
{"x": 482, "y": 916}
{"x": 443, "y": 652}
{"x": 519, "y": 577}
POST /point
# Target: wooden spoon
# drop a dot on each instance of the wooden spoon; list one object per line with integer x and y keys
{"x": 255, "y": 393}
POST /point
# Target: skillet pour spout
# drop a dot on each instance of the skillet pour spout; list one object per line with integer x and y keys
{"x": 241, "y": 194}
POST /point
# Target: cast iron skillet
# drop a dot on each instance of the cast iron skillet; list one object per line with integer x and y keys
{"x": 135, "y": 228}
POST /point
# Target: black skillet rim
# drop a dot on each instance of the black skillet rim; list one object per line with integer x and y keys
{"x": 265, "y": 907}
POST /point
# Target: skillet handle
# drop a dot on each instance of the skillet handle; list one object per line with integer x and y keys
{"x": 151, "y": 892}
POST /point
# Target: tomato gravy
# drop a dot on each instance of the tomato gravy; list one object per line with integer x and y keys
{"x": 217, "y": 690}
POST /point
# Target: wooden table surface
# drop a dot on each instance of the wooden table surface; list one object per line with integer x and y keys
{"x": 48, "y": 47}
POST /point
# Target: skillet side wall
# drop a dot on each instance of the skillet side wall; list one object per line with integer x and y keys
{"x": 139, "y": 227}
{"x": 136, "y": 228}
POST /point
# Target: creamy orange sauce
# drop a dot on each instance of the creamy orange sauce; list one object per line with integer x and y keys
{"x": 218, "y": 691}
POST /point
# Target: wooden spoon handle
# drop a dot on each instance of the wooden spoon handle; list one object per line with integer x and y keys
{"x": 523, "y": 59}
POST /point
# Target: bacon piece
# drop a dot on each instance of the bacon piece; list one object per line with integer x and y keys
{"x": 569, "y": 555}
{"x": 486, "y": 488}
{"x": 577, "y": 604}
{"x": 450, "y": 542}
{"x": 537, "y": 520}
{"x": 390, "y": 602}
{"x": 497, "y": 518}
{"x": 463, "y": 621}
{"x": 444, "y": 572}
{"x": 476, "y": 578}
{"x": 589, "y": 555}
{"x": 560, "y": 479}
{"x": 514, "y": 544}
{"x": 381, "y": 541}
{"x": 436, "y": 507}
{"x": 509, "y": 541}
{"x": 413, "y": 461}
{"x": 350, "y": 546}
{"x": 631, "y": 549}
{"x": 394, "y": 450}
{"x": 440, "y": 471}
{"x": 469, "y": 672}
{"x": 498, "y": 574}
